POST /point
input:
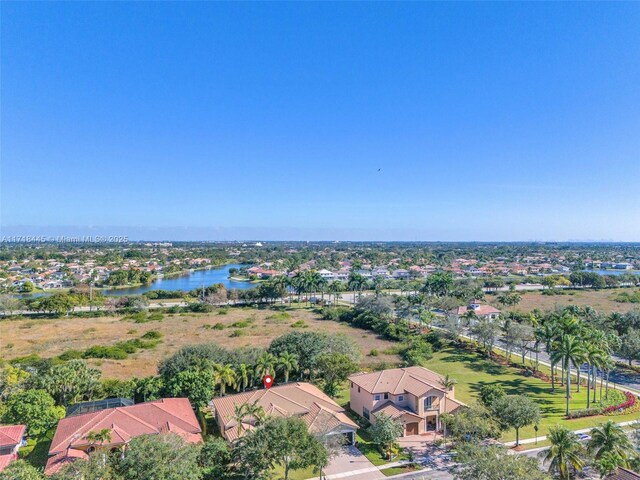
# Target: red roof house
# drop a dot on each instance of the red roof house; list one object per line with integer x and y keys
{"x": 11, "y": 439}
{"x": 159, "y": 416}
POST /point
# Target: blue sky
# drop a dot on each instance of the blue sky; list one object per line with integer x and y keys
{"x": 405, "y": 121}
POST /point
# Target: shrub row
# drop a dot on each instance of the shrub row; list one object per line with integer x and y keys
{"x": 629, "y": 402}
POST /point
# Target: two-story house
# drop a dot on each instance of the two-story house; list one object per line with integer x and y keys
{"x": 414, "y": 395}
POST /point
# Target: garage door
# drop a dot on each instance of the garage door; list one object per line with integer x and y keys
{"x": 411, "y": 428}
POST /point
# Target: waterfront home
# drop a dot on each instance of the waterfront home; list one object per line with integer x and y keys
{"x": 413, "y": 395}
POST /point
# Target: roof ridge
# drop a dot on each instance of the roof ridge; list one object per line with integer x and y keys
{"x": 68, "y": 439}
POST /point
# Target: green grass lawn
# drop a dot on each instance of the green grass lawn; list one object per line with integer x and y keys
{"x": 389, "y": 472}
{"x": 278, "y": 474}
{"x": 370, "y": 450}
{"x": 473, "y": 370}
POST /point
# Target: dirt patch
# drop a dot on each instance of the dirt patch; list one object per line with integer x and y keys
{"x": 239, "y": 327}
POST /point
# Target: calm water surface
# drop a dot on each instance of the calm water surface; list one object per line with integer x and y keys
{"x": 193, "y": 280}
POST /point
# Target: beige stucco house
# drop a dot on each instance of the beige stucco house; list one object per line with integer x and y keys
{"x": 303, "y": 400}
{"x": 414, "y": 395}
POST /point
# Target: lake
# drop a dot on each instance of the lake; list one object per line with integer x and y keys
{"x": 613, "y": 272}
{"x": 190, "y": 281}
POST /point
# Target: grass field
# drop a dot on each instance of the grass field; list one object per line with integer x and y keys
{"x": 600, "y": 300}
{"x": 473, "y": 370}
{"x": 254, "y": 327}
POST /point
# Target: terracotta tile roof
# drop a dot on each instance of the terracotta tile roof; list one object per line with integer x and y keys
{"x": 11, "y": 434}
{"x": 299, "y": 399}
{"x": 6, "y": 460}
{"x": 623, "y": 474}
{"x": 394, "y": 411}
{"x": 159, "y": 416}
{"x": 415, "y": 380}
{"x": 65, "y": 457}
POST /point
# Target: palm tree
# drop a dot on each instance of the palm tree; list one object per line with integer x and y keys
{"x": 610, "y": 438}
{"x": 548, "y": 334}
{"x": 265, "y": 364}
{"x": 247, "y": 410}
{"x": 595, "y": 358}
{"x": 225, "y": 375}
{"x": 568, "y": 350}
{"x": 288, "y": 363}
{"x": 448, "y": 383}
{"x": 102, "y": 436}
{"x": 356, "y": 283}
{"x": 242, "y": 377}
{"x": 335, "y": 288}
{"x": 565, "y": 454}
{"x": 239, "y": 416}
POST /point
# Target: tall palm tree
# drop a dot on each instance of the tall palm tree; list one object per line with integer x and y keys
{"x": 287, "y": 362}
{"x": 225, "y": 375}
{"x": 448, "y": 383}
{"x": 336, "y": 287}
{"x": 242, "y": 377}
{"x": 250, "y": 411}
{"x": 548, "y": 333}
{"x": 565, "y": 454}
{"x": 568, "y": 350}
{"x": 356, "y": 283}
{"x": 610, "y": 438}
{"x": 265, "y": 364}
{"x": 595, "y": 358}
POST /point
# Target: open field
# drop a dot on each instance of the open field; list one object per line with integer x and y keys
{"x": 51, "y": 337}
{"x": 599, "y": 300}
{"x": 473, "y": 370}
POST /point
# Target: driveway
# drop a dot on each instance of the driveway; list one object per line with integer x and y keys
{"x": 353, "y": 465}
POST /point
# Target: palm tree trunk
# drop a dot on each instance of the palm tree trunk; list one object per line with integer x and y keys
{"x": 588, "y": 387}
{"x": 553, "y": 377}
{"x": 595, "y": 382}
{"x": 578, "y": 375}
{"x": 568, "y": 384}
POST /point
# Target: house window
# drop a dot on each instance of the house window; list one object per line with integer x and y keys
{"x": 386, "y": 396}
{"x": 365, "y": 412}
{"x": 401, "y": 398}
{"x": 428, "y": 402}
{"x": 376, "y": 397}
{"x": 351, "y": 384}
{"x": 358, "y": 389}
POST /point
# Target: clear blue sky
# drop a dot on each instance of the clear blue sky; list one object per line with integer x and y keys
{"x": 488, "y": 121}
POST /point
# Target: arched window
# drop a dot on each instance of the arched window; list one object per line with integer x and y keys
{"x": 91, "y": 449}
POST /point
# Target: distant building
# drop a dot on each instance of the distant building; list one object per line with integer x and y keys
{"x": 481, "y": 310}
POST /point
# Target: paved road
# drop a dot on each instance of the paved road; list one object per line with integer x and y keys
{"x": 617, "y": 377}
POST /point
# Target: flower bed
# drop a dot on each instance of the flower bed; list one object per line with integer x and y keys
{"x": 628, "y": 403}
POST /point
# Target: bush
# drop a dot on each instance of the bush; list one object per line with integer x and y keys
{"x": 98, "y": 351}
{"x": 374, "y": 352}
{"x": 223, "y": 311}
{"x": 218, "y": 326}
{"x": 242, "y": 323}
{"x": 299, "y": 324}
{"x": 237, "y": 333}
{"x": 152, "y": 335}
{"x": 156, "y": 317}
{"x": 587, "y": 412}
{"x": 70, "y": 355}
{"x": 629, "y": 402}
